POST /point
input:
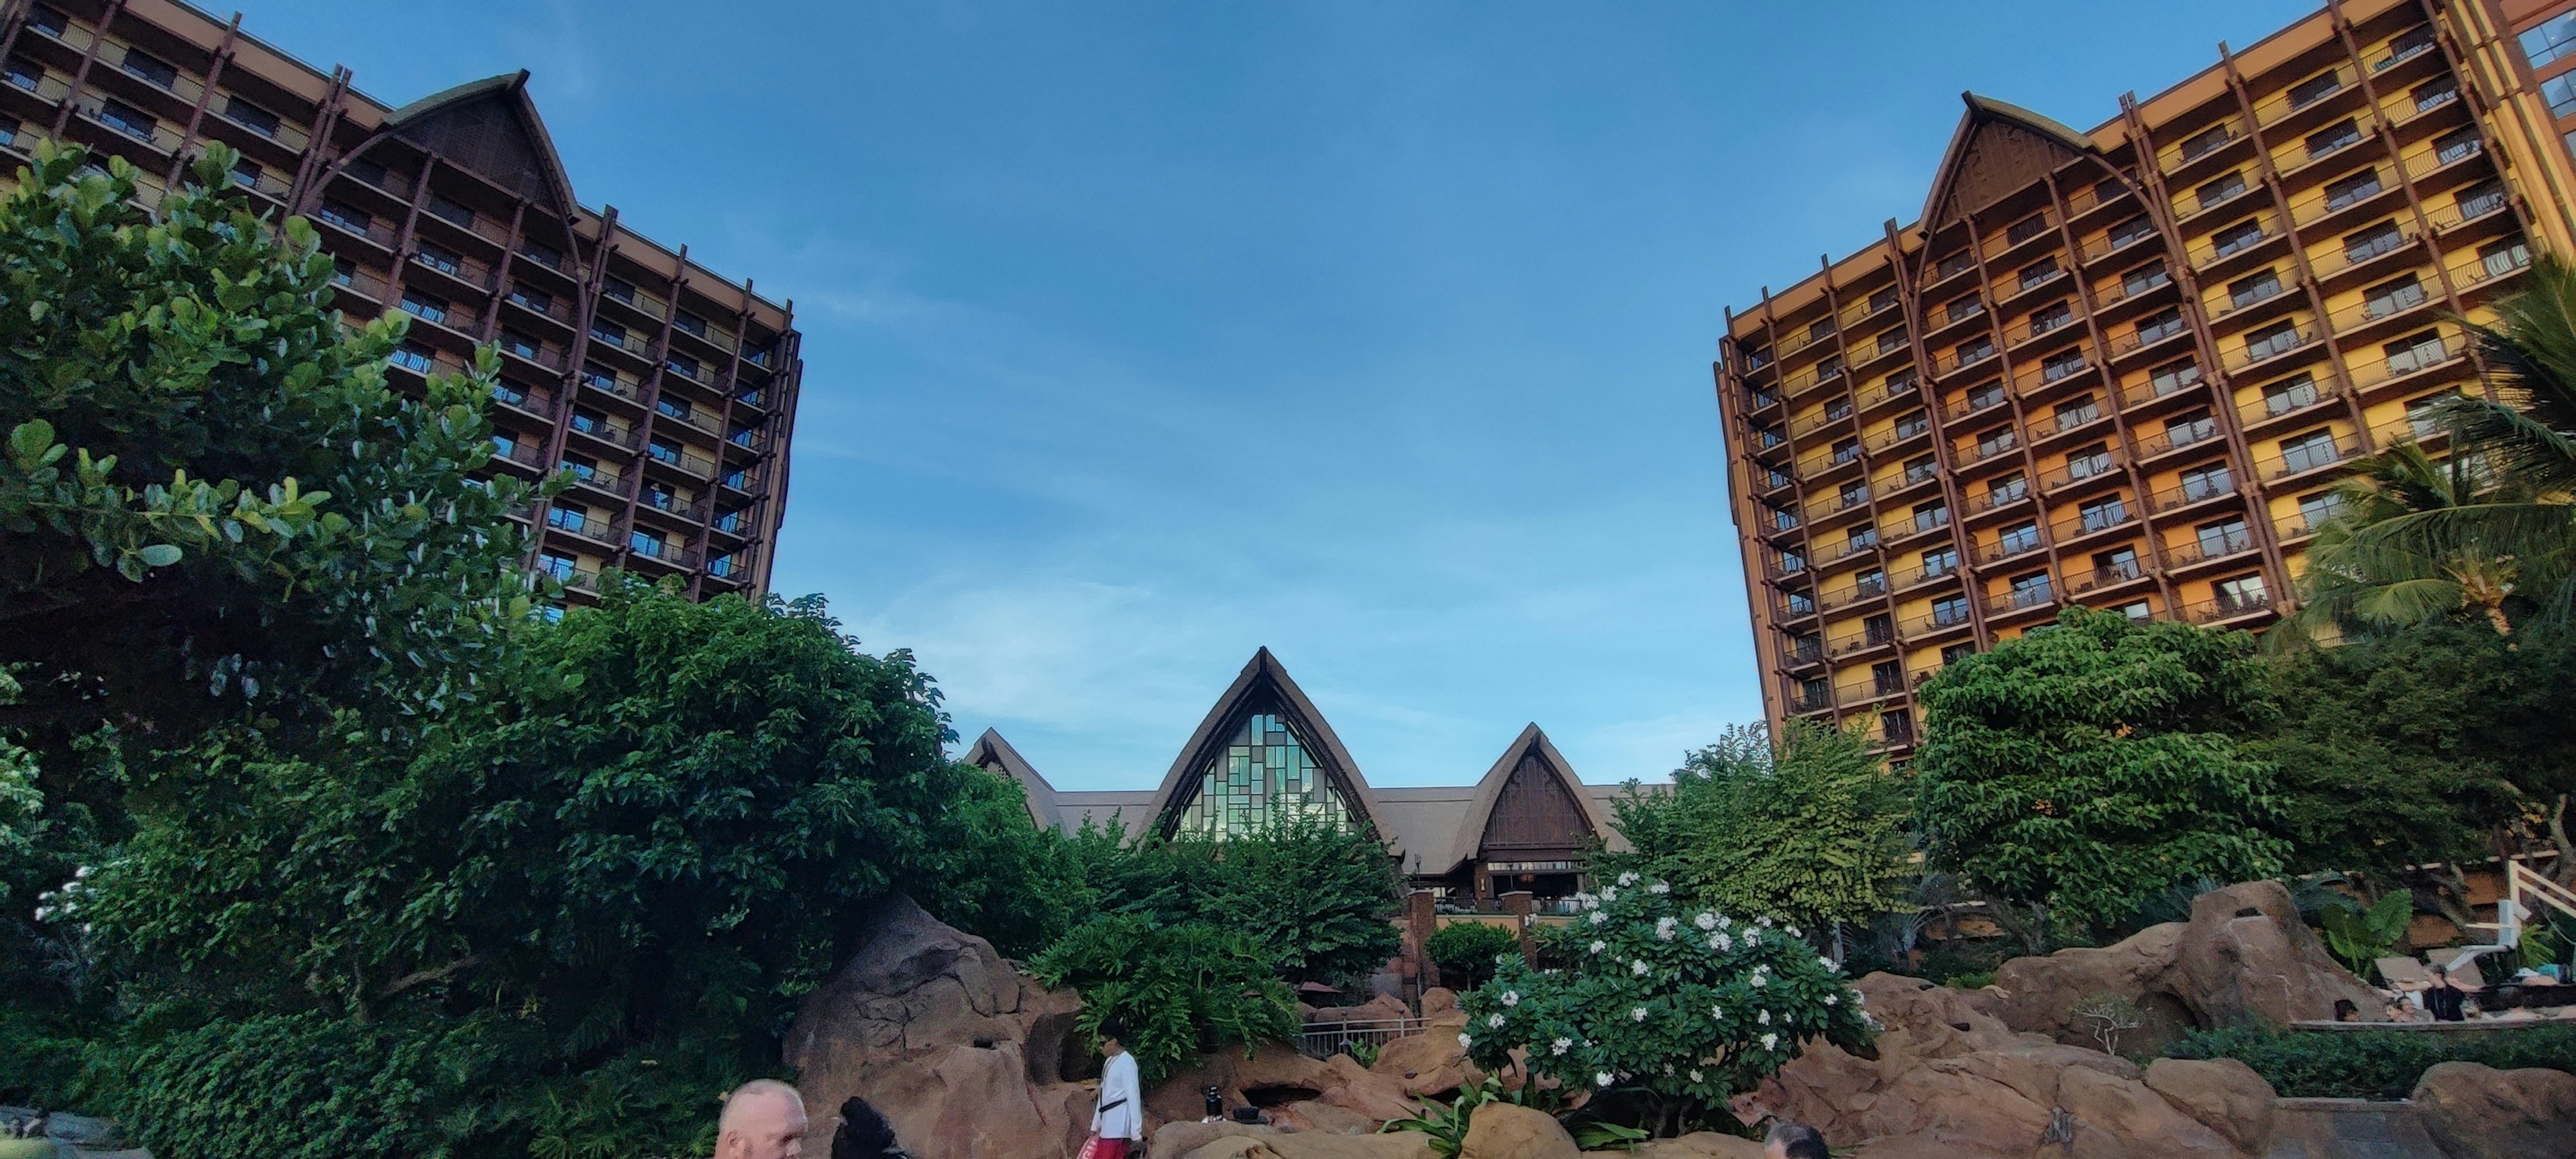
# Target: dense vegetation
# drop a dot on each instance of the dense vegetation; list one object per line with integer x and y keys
{"x": 2372, "y": 1064}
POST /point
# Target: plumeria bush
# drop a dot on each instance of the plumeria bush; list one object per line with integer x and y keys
{"x": 1662, "y": 1006}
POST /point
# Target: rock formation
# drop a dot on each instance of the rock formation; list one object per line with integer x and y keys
{"x": 1952, "y": 1080}
{"x": 2244, "y": 954}
{"x": 1500, "y": 1130}
{"x": 939, "y": 1033}
{"x": 2479, "y": 1112}
{"x": 1195, "y": 1140}
{"x": 1336, "y": 1095}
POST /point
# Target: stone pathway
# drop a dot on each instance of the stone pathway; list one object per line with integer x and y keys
{"x": 2349, "y": 1129}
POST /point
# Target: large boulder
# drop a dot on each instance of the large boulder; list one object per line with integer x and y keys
{"x": 1379, "y": 1009}
{"x": 2243, "y": 955}
{"x": 1510, "y": 1131}
{"x": 2223, "y": 1095}
{"x": 1275, "y": 1077}
{"x": 1429, "y": 1065}
{"x": 1195, "y": 1140}
{"x": 2478, "y": 1112}
{"x": 962, "y": 1054}
{"x": 1950, "y": 1079}
{"x": 1696, "y": 1145}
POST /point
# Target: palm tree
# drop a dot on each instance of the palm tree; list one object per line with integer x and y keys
{"x": 2420, "y": 540}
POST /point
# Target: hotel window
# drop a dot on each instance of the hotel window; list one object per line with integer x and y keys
{"x": 1960, "y": 308}
{"x": 1838, "y": 409}
{"x": 2370, "y": 243}
{"x": 423, "y": 306}
{"x": 2434, "y": 94}
{"x": 2499, "y": 258}
{"x": 1815, "y": 692}
{"x": 2242, "y": 592}
{"x": 2351, "y": 189}
{"x": 1846, "y": 451}
{"x": 2201, "y": 144}
{"x": 1954, "y": 265}
{"x": 150, "y": 68}
{"x": 342, "y": 215}
{"x": 1954, "y": 653}
{"x": 664, "y": 450}
{"x": 2409, "y": 355}
{"x": 1882, "y": 300}
{"x": 2237, "y": 238}
{"x": 591, "y": 422}
{"x": 556, "y": 564}
{"x": 2420, "y": 416}
{"x": 2031, "y": 588}
{"x": 1973, "y": 350}
{"x": 2281, "y": 398}
{"x": 440, "y": 258}
{"x": 2279, "y": 338}
{"x": 1806, "y": 646}
{"x": 2456, "y": 146}
{"x": 1865, "y": 535}
{"x": 1886, "y": 677}
{"x": 1774, "y": 477}
{"x": 246, "y": 173}
{"x": 537, "y": 300}
{"x": 2088, "y": 462}
{"x": 1782, "y": 520}
{"x": 2560, "y": 92}
{"x": 544, "y": 255}
{"x": 2390, "y": 297}
{"x": 2077, "y": 413}
{"x": 510, "y": 392}
{"x": 649, "y": 543}
{"x": 2184, "y": 430}
{"x": 46, "y": 19}
{"x": 2143, "y": 279}
{"x": 1792, "y": 561}
{"x": 2207, "y": 482}
{"x": 1996, "y": 442}
{"x": 2315, "y": 88}
{"x": 660, "y": 497}
{"x": 1821, "y": 328}
{"x": 22, "y": 74}
{"x": 371, "y": 172}
{"x": 585, "y": 468}
{"x": 1829, "y": 369}
{"x": 673, "y": 407}
{"x": 1949, "y": 610}
{"x": 618, "y": 288}
{"x": 2332, "y": 137}
{"x": 1981, "y": 397}
{"x": 1913, "y": 424}
{"x": 2225, "y": 537}
{"x": 2482, "y": 199}
{"x": 1930, "y": 515}
{"x": 2102, "y": 513}
{"x": 450, "y": 210}
{"x": 2137, "y": 611}
{"x": 1851, "y": 495}
{"x": 505, "y": 444}
{"x": 2009, "y": 489}
{"x": 691, "y": 369}
{"x": 250, "y": 116}
{"x": 520, "y": 344}
{"x": 2043, "y": 321}
{"x": 1940, "y": 561}
{"x": 595, "y": 375}
{"x": 2554, "y": 38}
{"x": 608, "y": 332}
{"x": 2159, "y": 326}
{"x": 2315, "y": 510}
{"x": 127, "y": 119}
{"x": 412, "y": 356}
{"x": 1266, "y": 775}
{"x": 2131, "y": 230}
{"x": 2037, "y": 272}
{"x": 2253, "y": 288}
{"x": 568, "y": 516}
{"x": 2309, "y": 451}
{"x": 2220, "y": 190}
{"x": 1921, "y": 469}
{"x": 1801, "y": 604}
{"x": 1891, "y": 340}
{"x": 2026, "y": 229}
{"x": 733, "y": 522}
{"x": 2019, "y": 537}
{"x": 1870, "y": 583}
{"x": 2061, "y": 365}
{"x": 2115, "y": 566}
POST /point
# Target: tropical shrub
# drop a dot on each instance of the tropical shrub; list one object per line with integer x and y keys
{"x": 2372, "y": 1064}
{"x": 1470, "y": 949}
{"x": 1672, "y": 1004}
{"x": 2360, "y": 937}
{"x": 1321, "y": 900}
{"x": 1179, "y": 989}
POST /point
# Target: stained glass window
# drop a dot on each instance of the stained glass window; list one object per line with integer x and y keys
{"x": 1265, "y": 775}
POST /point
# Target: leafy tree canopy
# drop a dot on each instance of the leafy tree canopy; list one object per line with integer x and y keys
{"x": 1471, "y": 948}
{"x": 1812, "y": 829}
{"x": 1179, "y": 988}
{"x": 2087, "y": 767}
{"x": 1319, "y": 899}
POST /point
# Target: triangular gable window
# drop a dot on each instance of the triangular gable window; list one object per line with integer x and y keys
{"x": 1265, "y": 775}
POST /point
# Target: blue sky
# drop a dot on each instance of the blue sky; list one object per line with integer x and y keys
{"x": 1139, "y": 335}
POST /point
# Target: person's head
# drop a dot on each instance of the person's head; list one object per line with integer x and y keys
{"x": 1112, "y": 1037}
{"x": 1793, "y": 1141}
{"x": 2345, "y": 1011}
{"x": 2441, "y": 975}
{"x": 762, "y": 1119}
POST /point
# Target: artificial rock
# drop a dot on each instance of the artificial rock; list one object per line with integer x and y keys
{"x": 2479, "y": 1112}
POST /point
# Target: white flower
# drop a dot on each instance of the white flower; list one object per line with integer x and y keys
{"x": 1827, "y": 963}
{"x": 1869, "y": 1019}
{"x": 1766, "y": 923}
{"x": 1628, "y": 878}
{"x": 1705, "y": 921}
{"x": 1599, "y": 917}
{"x": 1609, "y": 893}
{"x": 1759, "y": 981}
{"x": 1664, "y": 928}
{"x": 1587, "y": 901}
{"x": 1638, "y": 967}
{"x": 1771, "y": 1042}
{"x": 1763, "y": 1017}
{"x": 1724, "y": 921}
{"x": 1831, "y": 1000}
{"x": 1598, "y": 945}
{"x": 1788, "y": 1018}
{"x": 1464, "y": 1042}
{"x": 43, "y": 912}
{"x": 1495, "y": 1021}
{"x": 1717, "y": 1013}
{"x": 1752, "y": 937}
{"x": 80, "y": 874}
{"x": 1694, "y": 1076}
{"x": 1859, "y": 999}
{"x": 1602, "y": 1079}
{"x": 1560, "y": 1046}
{"x": 1636, "y": 1014}
{"x": 1659, "y": 887}
{"x": 1511, "y": 997}
{"x": 1793, "y": 931}
{"x": 1717, "y": 940}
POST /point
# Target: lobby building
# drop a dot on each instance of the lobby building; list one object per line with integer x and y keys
{"x": 2123, "y": 367}
{"x": 1264, "y": 752}
{"x": 667, "y": 389}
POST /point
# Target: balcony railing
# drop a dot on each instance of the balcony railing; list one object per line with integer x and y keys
{"x": 2111, "y": 576}
{"x": 2413, "y": 361}
{"x": 2195, "y": 491}
{"x": 2162, "y": 386}
{"x": 2218, "y": 249}
{"x": 2090, "y": 522}
{"x": 2019, "y": 599}
{"x": 2212, "y": 611}
{"x": 2349, "y": 257}
{"x": 2308, "y": 457}
{"x": 1938, "y": 621}
{"x": 2204, "y": 548}
{"x": 2249, "y": 353}
{"x": 2199, "y": 146}
{"x": 2091, "y": 467}
{"x": 2005, "y": 548}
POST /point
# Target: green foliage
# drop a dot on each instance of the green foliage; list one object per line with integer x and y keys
{"x": 2359, "y": 937}
{"x": 2372, "y": 1064}
{"x": 1179, "y": 988}
{"x": 1471, "y": 948}
{"x": 1812, "y": 829}
{"x": 2088, "y": 768}
{"x": 1672, "y": 1002}
{"x": 1444, "y": 1128}
{"x": 209, "y": 494}
{"x": 1320, "y": 900}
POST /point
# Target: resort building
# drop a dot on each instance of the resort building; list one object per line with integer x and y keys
{"x": 669, "y": 391}
{"x": 2122, "y": 367}
{"x": 1264, "y": 753}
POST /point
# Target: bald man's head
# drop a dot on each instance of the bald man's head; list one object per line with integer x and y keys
{"x": 762, "y": 1119}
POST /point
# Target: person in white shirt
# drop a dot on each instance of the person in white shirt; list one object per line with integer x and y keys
{"x": 1118, "y": 1119}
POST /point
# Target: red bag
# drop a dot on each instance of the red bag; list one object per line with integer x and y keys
{"x": 1096, "y": 1147}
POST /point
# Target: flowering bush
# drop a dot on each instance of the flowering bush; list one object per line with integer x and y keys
{"x": 1674, "y": 1001}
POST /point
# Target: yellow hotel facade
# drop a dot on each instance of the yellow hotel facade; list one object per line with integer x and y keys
{"x": 2122, "y": 368}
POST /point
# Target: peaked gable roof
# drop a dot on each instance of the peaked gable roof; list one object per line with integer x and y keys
{"x": 490, "y": 126}
{"x": 995, "y": 754}
{"x": 1998, "y": 148}
{"x": 1265, "y": 685}
{"x": 1470, "y": 833}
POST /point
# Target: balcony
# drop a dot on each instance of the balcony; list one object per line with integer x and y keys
{"x": 2254, "y": 353}
{"x": 2315, "y": 456}
{"x": 2494, "y": 268}
{"x": 1801, "y": 702}
{"x": 1927, "y": 573}
{"x": 2126, "y": 571}
{"x": 2334, "y": 266}
{"x": 2147, "y": 337}
{"x": 2206, "y": 548}
{"x": 2412, "y": 363}
{"x": 2090, "y": 468}
{"x": 2067, "y": 422}
{"x": 1901, "y": 388}
{"x": 127, "y": 121}
{"x": 2403, "y": 47}
{"x": 1897, "y": 435}
{"x": 617, "y": 435}
{"x": 1812, "y": 377}
{"x": 1833, "y": 552}
{"x": 2218, "y": 139}
{"x": 357, "y": 224}
{"x": 1960, "y": 360}
{"x": 2475, "y": 207}
{"x": 586, "y": 526}
{"x": 2174, "y": 438}
{"x": 2200, "y": 490}
{"x": 1941, "y": 620}
{"x": 2310, "y": 97}
{"x": 2163, "y": 387}
{"x": 524, "y": 452}
{"x": 604, "y": 479}
{"x": 2117, "y": 243}
{"x": 2092, "y": 523}
{"x": 2038, "y": 595}
{"x": 1923, "y": 523}
{"x": 532, "y": 400}
{"x": 1972, "y": 405}
{"x": 681, "y": 458}
{"x": 1997, "y": 499}
{"x": 1873, "y": 638}
{"x": 2093, "y": 197}
{"x": 2236, "y": 245}
{"x": 1862, "y": 310}
{"x": 618, "y": 383}
{"x": 1982, "y": 451}
{"x": 1857, "y": 593}
{"x": 660, "y": 551}
{"x": 2186, "y": 211}
{"x": 2355, "y": 320}
{"x": 2008, "y": 547}
{"x": 2219, "y": 610}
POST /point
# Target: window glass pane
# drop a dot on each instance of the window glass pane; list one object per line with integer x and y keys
{"x": 1266, "y": 775}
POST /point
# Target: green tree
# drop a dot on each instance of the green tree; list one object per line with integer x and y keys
{"x": 1320, "y": 900}
{"x": 2083, "y": 769}
{"x": 1470, "y": 949}
{"x": 209, "y": 494}
{"x": 1812, "y": 829}
{"x": 1179, "y": 988}
{"x": 1663, "y": 1004}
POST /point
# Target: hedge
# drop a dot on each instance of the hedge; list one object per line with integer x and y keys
{"x": 2373, "y": 1064}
